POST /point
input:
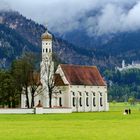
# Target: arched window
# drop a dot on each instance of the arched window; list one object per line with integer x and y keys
{"x": 49, "y": 50}
{"x": 94, "y": 104}
{"x": 101, "y": 101}
{"x": 80, "y": 94}
{"x": 73, "y": 101}
{"x": 93, "y": 93}
{"x": 80, "y": 101}
{"x": 87, "y": 93}
{"x": 73, "y": 93}
{"x": 87, "y": 103}
{"x": 46, "y": 50}
{"x": 43, "y": 50}
{"x": 60, "y": 101}
{"x": 100, "y": 94}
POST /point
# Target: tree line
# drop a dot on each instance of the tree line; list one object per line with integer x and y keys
{"x": 23, "y": 77}
{"x": 123, "y": 85}
{"x": 17, "y": 80}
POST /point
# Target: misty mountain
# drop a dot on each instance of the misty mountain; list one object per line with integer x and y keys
{"x": 19, "y": 34}
{"x": 113, "y": 47}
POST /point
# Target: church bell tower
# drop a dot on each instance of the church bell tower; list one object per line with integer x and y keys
{"x": 47, "y": 66}
{"x": 46, "y": 46}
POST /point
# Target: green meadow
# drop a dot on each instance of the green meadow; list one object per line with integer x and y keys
{"x": 112, "y": 125}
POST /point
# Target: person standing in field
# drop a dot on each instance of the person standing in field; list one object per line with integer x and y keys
{"x": 129, "y": 111}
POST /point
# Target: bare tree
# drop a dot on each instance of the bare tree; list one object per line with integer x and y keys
{"x": 35, "y": 86}
{"x": 49, "y": 80}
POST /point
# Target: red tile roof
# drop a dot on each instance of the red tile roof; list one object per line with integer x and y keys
{"x": 83, "y": 75}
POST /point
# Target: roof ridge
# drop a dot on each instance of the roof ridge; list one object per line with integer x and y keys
{"x": 77, "y": 65}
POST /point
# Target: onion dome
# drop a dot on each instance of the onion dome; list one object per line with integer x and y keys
{"x": 46, "y": 36}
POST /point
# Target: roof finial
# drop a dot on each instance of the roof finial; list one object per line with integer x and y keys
{"x": 46, "y": 26}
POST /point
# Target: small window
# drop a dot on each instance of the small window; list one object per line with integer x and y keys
{"x": 80, "y": 101}
{"x": 43, "y": 50}
{"x": 73, "y": 93}
{"x": 46, "y": 43}
{"x": 94, "y": 104}
{"x": 60, "y": 101}
{"x": 100, "y": 94}
{"x": 87, "y": 103}
{"x": 80, "y": 93}
{"x": 73, "y": 101}
{"x": 93, "y": 93}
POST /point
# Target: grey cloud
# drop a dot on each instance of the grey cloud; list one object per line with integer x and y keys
{"x": 116, "y": 19}
{"x": 64, "y": 16}
{"x": 4, "y": 5}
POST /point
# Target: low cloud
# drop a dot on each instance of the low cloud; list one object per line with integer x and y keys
{"x": 93, "y": 16}
{"x": 4, "y": 6}
{"x": 113, "y": 19}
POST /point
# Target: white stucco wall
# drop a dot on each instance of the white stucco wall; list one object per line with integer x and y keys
{"x": 17, "y": 111}
{"x": 38, "y": 96}
{"x": 87, "y": 93}
{"x": 76, "y": 92}
{"x": 35, "y": 111}
{"x": 71, "y": 93}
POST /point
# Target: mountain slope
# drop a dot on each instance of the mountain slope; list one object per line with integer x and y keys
{"x": 104, "y": 51}
{"x": 29, "y": 33}
{"x": 110, "y": 49}
{"x": 13, "y": 45}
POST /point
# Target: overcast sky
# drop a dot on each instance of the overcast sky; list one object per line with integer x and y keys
{"x": 64, "y": 15}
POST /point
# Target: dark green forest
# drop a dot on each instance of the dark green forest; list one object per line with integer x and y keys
{"x": 123, "y": 85}
{"x": 16, "y": 80}
{"x": 22, "y": 76}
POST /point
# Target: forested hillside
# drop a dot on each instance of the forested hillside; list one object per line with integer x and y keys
{"x": 13, "y": 45}
{"x": 29, "y": 33}
{"x": 103, "y": 55}
{"x": 123, "y": 85}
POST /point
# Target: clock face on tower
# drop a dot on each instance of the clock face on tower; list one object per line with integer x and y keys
{"x": 46, "y": 59}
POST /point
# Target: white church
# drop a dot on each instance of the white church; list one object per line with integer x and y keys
{"x": 81, "y": 88}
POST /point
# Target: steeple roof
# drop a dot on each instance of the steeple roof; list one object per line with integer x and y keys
{"x": 46, "y": 35}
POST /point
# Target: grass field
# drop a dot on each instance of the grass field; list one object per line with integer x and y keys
{"x": 112, "y": 125}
